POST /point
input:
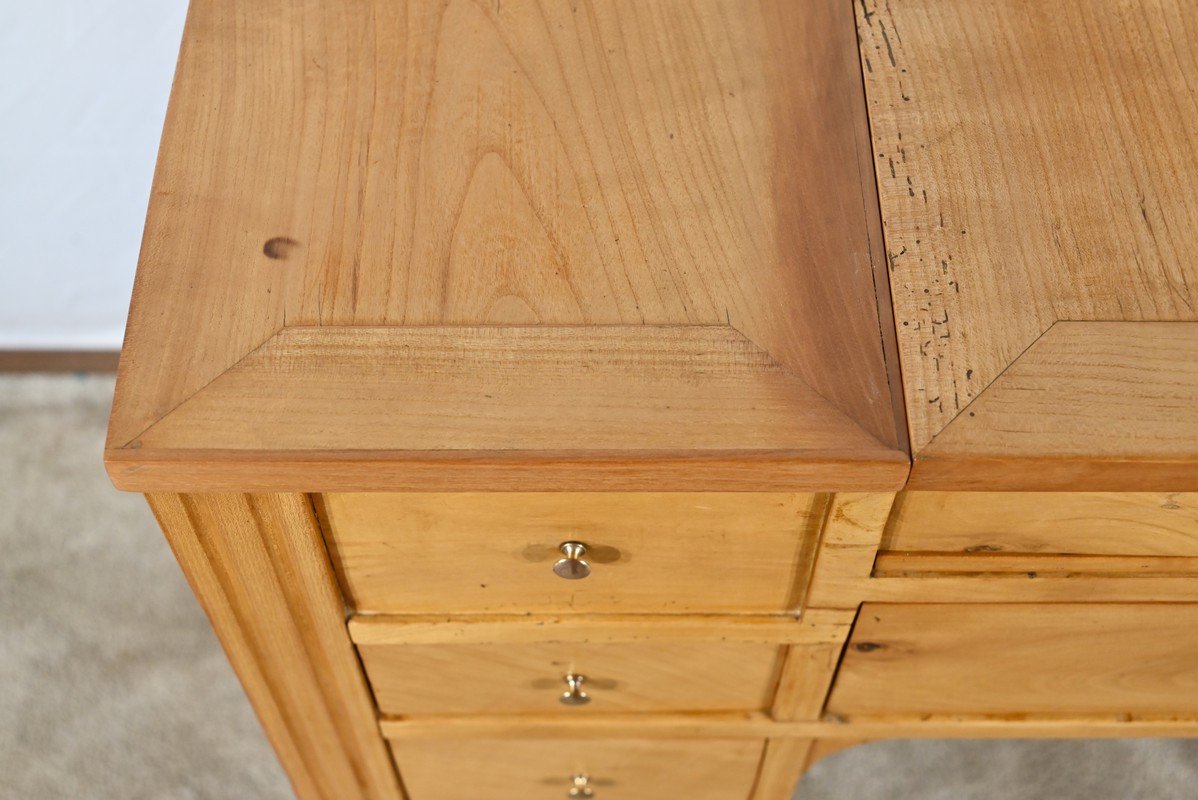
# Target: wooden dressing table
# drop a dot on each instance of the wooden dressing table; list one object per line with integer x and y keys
{"x": 529, "y": 389}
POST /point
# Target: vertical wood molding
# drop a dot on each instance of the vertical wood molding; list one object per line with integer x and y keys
{"x": 782, "y": 766}
{"x": 806, "y": 679}
{"x": 852, "y": 531}
{"x": 258, "y": 565}
{"x": 849, "y": 544}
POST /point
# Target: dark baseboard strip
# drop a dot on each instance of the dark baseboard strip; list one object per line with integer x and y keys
{"x": 58, "y": 360}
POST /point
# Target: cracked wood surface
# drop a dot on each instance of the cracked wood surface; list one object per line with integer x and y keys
{"x": 1036, "y": 163}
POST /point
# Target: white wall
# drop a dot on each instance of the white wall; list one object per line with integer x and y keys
{"x": 82, "y": 97}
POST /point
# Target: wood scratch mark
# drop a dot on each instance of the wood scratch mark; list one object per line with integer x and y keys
{"x": 889, "y": 48}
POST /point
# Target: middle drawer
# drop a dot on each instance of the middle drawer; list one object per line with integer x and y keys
{"x": 571, "y": 677}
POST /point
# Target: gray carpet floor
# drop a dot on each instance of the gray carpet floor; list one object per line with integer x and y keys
{"x": 113, "y": 686}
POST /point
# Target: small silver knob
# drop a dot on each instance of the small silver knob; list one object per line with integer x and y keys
{"x": 572, "y": 567}
{"x": 581, "y": 787}
{"x": 574, "y": 695}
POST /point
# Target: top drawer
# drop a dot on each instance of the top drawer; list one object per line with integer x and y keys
{"x": 1046, "y": 523}
{"x": 646, "y": 552}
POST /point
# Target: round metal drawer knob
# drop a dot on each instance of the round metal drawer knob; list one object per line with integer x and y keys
{"x": 581, "y": 787}
{"x": 573, "y": 567}
{"x": 574, "y": 695}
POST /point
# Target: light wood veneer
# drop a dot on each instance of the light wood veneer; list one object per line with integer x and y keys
{"x": 524, "y": 246}
{"x": 1059, "y": 660}
{"x": 623, "y": 770}
{"x": 1150, "y": 524}
{"x": 1090, "y": 406}
{"x": 507, "y": 678}
{"x": 471, "y": 552}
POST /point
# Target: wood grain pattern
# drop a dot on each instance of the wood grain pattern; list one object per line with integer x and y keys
{"x": 520, "y": 398}
{"x": 526, "y": 163}
{"x": 259, "y": 568}
{"x": 813, "y": 627}
{"x": 512, "y": 388}
{"x": 807, "y": 672}
{"x": 1021, "y": 659}
{"x": 629, "y": 769}
{"x": 1057, "y": 585}
{"x": 529, "y": 678}
{"x": 651, "y": 552}
{"x": 782, "y": 765}
{"x": 1092, "y": 406}
{"x": 849, "y": 539}
{"x": 725, "y": 725}
{"x": 208, "y": 471}
{"x": 706, "y": 725}
{"x": 1035, "y": 164}
{"x": 890, "y": 565}
{"x": 805, "y": 678}
{"x": 1046, "y": 523}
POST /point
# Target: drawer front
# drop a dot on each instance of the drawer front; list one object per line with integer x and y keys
{"x": 620, "y": 676}
{"x": 1020, "y": 659}
{"x": 648, "y": 552}
{"x": 1051, "y": 523}
{"x": 545, "y": 769}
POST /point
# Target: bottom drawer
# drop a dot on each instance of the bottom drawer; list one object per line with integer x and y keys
{"x": 1047, "y": 659}
{"x": 547, "y": 769}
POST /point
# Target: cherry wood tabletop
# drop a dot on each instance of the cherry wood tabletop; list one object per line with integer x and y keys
{"x": 530, "y": 245}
